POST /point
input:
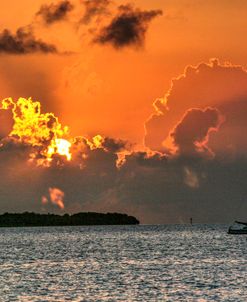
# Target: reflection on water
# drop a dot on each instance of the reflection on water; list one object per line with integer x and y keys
{"x": 123, "y": 263}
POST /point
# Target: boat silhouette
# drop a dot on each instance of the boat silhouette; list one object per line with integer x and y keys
{"x": 238, "y": 228}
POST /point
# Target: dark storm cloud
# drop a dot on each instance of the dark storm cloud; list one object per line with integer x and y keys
{"x": 182, "y": 188}
{"x": 114, "y": 145}
{"x": 23, "y": 42}
{"x": 151, "y": 186}
{"x": 146, "y": 159}
{"x": 191, "y": 134}
{"x": 94, "y": 8}
{"x": 127, "y": 28}
{"x": 55, "y": 12}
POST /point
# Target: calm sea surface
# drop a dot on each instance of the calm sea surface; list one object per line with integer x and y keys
{"x": 123, "y": 263}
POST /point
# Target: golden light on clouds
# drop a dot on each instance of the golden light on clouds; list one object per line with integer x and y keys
{"x": 100, "y": 66}
{"x": 56, "y": 197}
{"x": 60, "y": 146}
{"x": 38, "y": 129}
{"x": 46, "y": 135}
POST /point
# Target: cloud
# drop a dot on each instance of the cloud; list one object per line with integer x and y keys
{"x": 146, "y": 159}
{"x": 56, "y": 197}
{"x": 191, "y": 134}
{"x": 12, "y": 150}
{"x": 31, "y": 126}
{"x": 23, "y": 42}
{"x": 191, "y": 178}
{"x": 153, "y": 185}
{"x": 55, "y": 12}
{"x": 214, "y": 84}
{"x": 127, "y": 28}
{"x": 6, "y": 122}
{"x": 114, "y": 145}
{"x": 95, "y": 8}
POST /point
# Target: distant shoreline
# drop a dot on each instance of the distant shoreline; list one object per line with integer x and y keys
{"x": 28, "y": 219}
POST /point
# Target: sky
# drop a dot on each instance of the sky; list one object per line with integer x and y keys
{"x": 115, "y": 106}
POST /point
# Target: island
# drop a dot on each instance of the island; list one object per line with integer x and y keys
{"x": 28, "y": 219}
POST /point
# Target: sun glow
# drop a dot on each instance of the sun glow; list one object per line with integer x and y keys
{"x": 30, "y": 125}
{"x": 50, "y": 142}
{"x": 41, "y": 130}
{"x": 59, "y": 146}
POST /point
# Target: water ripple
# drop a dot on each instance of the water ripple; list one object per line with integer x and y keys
{"x": 123, "y": 263}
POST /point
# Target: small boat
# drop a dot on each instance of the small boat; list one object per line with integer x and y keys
{"x": 238, "y": 228}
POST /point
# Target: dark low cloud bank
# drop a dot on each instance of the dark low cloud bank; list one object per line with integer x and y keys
{"x": 55, "y": 12}
{"x": 23, "y": 42}
{"x": 153, "y": 187}
{"x": 127, "y": 28}
{"x": 94, "y": 8}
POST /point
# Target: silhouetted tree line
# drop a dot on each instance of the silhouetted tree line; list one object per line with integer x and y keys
{"x": 90, "y": 218}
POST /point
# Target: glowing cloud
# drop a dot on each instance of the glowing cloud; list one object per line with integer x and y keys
{"x": 213, "y": 84}
{"x": 37, "y": 129}
{"x": 48, "y": 140}
{"x": 56, "y": 197}
{"x": 60, "y": 146}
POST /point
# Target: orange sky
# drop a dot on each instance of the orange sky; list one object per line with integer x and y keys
{"x": 171, "y": 109}
{"x": 103, "y": 90}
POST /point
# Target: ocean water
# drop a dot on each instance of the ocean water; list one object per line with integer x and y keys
{"x": 123, "y": 263}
